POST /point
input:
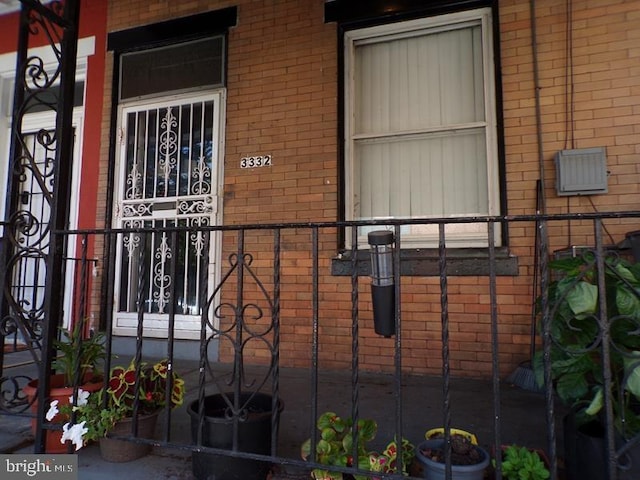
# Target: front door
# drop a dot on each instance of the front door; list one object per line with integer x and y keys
{"x": 27, "y": 265}
{"x": 168, "y": 176}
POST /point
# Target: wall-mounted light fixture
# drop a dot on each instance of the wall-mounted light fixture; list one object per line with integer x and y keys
{"x": 382, "y": 282}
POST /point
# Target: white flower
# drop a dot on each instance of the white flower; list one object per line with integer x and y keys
{"x": 74, "y": 434}
{"x": 53, "y": 410}
{"x": 83, "y": 398}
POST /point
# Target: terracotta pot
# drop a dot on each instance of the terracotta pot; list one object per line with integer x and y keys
{"x": 119, "y": 451}
{"x": 58, "y": 391}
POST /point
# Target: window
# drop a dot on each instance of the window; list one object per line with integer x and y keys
{"x": 177, "y": 67}
{"x": 420, "y": 125}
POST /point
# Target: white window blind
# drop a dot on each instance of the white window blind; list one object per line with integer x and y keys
{"x": 421, "y": 127}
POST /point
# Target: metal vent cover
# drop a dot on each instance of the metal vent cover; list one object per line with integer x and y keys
{"x": 581, "y": 171}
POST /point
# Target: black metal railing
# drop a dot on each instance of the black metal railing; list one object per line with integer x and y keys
{"x": 274, "y": 279}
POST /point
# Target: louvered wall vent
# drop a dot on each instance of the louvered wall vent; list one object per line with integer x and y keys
{"x": 581, "y": 172}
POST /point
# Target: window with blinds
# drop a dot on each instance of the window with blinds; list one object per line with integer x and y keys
{"x": 421, "y": 127}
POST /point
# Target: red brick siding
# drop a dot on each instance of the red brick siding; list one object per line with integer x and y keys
{"x": 282, "y": 100}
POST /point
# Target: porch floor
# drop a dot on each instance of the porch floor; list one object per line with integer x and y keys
{"x": 523, "y": 418}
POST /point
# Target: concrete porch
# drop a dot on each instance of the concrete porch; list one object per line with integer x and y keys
{"x": 522, "y": 418}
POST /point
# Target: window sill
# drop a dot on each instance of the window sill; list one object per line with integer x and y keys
{"x": 425, "y": 262}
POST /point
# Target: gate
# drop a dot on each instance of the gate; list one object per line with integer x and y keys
{"x": 38, "y": 193}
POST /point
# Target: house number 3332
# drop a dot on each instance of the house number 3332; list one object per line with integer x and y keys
{"x": 257, "y": 161}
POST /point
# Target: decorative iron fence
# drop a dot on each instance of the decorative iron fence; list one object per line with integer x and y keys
{"x": 246, "y": 295}
{"x": 271, "y": 293}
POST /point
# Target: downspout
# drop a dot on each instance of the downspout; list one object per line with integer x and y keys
{"x": 536, "y": 86}
{"x": 542, "y": 237}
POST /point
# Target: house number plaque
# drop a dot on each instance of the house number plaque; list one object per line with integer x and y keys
{"x": 255, "y": 161}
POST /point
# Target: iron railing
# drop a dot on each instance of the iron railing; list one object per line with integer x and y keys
{"x": 274, "y": 275}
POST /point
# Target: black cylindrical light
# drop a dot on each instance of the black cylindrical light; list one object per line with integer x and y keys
{"x": 382, "y": 282}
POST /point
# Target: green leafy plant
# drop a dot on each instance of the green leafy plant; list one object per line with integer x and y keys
{"x": 74, "y": 350}
{"x": 520, "y": 463}
{"x": 387, "y": 461}
{"x": 577, "y": 361}
{"x": 335, "y": 447}
{"x": 97, "y": 413}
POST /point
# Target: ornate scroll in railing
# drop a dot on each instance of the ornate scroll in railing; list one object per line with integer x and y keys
{"x": 243, "y": 318}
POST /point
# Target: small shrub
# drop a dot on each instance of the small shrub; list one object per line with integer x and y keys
{"x": 520, "y": 463}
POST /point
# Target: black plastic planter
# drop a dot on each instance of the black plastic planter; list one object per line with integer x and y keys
{"x": 585, "y": 453}
{"x": 254, "y": 436}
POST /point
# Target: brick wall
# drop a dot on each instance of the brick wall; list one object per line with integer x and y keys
{"x": 282, "y": 100}
{"x": 589, "y": 98}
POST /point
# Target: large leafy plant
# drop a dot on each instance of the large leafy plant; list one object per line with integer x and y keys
{"x": 577, "y": 328}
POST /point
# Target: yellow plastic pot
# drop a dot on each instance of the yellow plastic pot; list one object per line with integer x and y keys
{"x": 454, "y": 431}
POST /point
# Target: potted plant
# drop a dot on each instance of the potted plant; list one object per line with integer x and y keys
{"x": 111, "y": 409}
{"x": 577, "y": 363}
{"x": 247, "y": 416}
{"x": 468, "y": 460}
{"x": 521, "y": 463}
{"x": 73, "y": 348}
{"x": 387, "y": 460}
{"x": 439, "y": 433}
{"x": 335, "y": 447}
